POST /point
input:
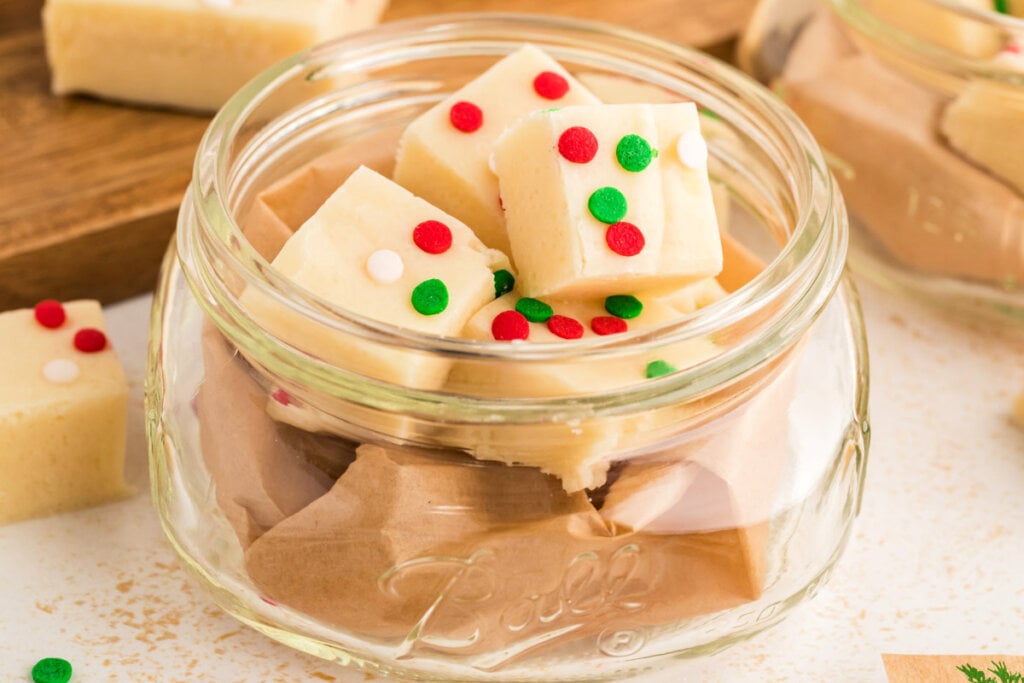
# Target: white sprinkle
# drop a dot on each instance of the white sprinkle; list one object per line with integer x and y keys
{"x": 61, "y": 371}
{"x": 491, "y": 165}
{"x": 385, "y": 266}
{"x": 692, "y": 149}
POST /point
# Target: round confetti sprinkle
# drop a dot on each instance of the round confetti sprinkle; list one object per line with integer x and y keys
{"x": 550, "y": 86}
{"x": 509, "y": 326}
{"x": 625, "y": 239}
{"x": 50, "y": 313}
{"x": 692, "y": 150}
{"x": 90, "y": 340}
{"x": 466, "y": 117}
{"x": 282, "y": 397}
{"x": 430, "y": 297}
{"x": 607, "y": 205}
{"x": 385, "y": 266}
{"x": 565, "y": 327}
{"x": 534, "y": 310}
{"x": 659, "y": 368}
{"x": 623, "y": 306}
{"x": 634, "y": 153}
{"x": 577, "y": 144}
{"x": 61, "y": 371}
{"x": 433, "y": 237}
{"x": 504, "y": 281}
{"x": 608, "y": 324}
{"x": 51, "y": 670}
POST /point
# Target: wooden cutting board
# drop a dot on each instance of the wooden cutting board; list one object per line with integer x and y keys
{"x": 89, "y": 191}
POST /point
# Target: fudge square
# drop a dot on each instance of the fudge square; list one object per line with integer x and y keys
{"x": 378, "y": 251}
{"x": 185, "y": 53}
{"x": 610, "y": 197}
{"x": 63, "y": 407}
{"x": 444, "y": 155}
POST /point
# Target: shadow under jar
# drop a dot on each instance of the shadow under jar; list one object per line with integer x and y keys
{"x": 918, "y": 105}
{"x": 378, "y": 525}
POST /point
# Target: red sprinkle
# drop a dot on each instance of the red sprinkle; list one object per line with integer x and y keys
{"x": 510, "y": 325}
{"x": 90, "y": 340}
{"x": 281, "y": 396}
{"x": 466, "y": 116}
{"x": 577, "y": 144}
{"x": 565, "y": 327}
{"x": 50, "y": 313}
{"x": 624, "y": 238}
{"x": 608, "y": 324}
{"x": 550, "y": 86}
{"x": 433, "y": 237}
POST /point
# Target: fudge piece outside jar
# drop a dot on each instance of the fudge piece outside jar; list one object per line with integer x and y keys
{"x": 63, "y": 408}
{"x": 190, "y": 54}
{"x": 775, "y": 333}
{"x": 913, "y": 109}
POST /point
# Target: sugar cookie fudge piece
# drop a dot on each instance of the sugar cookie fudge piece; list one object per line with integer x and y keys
{"x": 609, "y": 197}
{"x": 444, "y": 155}
{"x": 63, "y": 405}
{"x": 978, "y": 123}
{"x": 375, "y": 250}
{"x": 576, "y": 454}
{"x": 927, "y": 20}
{"x": 185, "y": 53}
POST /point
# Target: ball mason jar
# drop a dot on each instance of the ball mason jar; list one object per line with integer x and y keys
{"x": 382, "y": 526}
{"x": 918, "y": 105}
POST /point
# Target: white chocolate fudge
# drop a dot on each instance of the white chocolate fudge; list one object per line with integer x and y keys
{"x": 984, "y": 121}
{"x": 930, "y": 22}
{"x": 444, "y": 155}
{"x": 577, "y": 454}
{"x": 610, "y": 197}
{"x": 516, "y": 319}
{"x": 192, "y": 54}
{"x": 63, "y": 406}
{"x": 376, "y": 251}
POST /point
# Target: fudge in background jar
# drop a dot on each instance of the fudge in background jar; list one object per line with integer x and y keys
{"x": 916, "y": 103}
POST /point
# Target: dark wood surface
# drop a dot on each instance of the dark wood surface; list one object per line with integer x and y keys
{"x": 89, "y": 191}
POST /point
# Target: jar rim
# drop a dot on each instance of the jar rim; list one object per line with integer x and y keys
{"x": 802, "y": 277}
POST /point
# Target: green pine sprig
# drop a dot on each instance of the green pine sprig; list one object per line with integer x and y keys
{"x": 1003, "y": 675}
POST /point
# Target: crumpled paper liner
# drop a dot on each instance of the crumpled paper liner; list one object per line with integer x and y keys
{"x": 943, "y": 668}
{"x": 263, "y": 471}
{"x": 445, "y": 554}
{"x": 931, "y": 209}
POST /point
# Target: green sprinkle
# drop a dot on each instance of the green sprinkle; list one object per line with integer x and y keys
{"x": 430, "y": 297}
{"x": 607, "y": 205}
{"x": 549, "y": 110}
{"x": 634, "y": 153}
{"x": 51, "y": 670}
{"x": 534, "y": 310}
{"x": 625, "y": 306}
{"x": 1002, "y": 6}
{"x": 659, "y": 368}
{"x": 710, "y": 114}
{"x": 504, "y": 281}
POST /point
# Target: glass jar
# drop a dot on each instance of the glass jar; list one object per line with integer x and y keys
{"x": 378, "y": 525}
{"x": 918, "y": 105}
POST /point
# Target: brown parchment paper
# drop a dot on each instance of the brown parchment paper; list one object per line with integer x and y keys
{"x": 927, "y": 206}
{"x": 943, "y": 668}
{"x": 263, "y": 471}
{"x": 450, "y": 555}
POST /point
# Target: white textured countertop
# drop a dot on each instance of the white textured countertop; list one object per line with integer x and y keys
{"x": 935, "y": 565}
